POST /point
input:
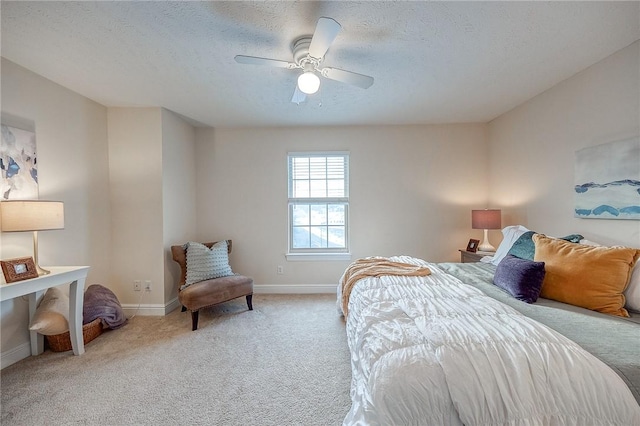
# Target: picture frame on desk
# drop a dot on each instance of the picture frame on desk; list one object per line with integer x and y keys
{"x": 18, "y": 269}
{"x": 472, "y": 246}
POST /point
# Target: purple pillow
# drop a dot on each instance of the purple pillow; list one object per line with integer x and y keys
{"x": 521, "y": 278}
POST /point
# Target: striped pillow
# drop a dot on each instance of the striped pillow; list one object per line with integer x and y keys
{"x": 204, "y": 263}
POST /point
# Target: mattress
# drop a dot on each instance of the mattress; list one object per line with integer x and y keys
{"x": 451, "y": 348}
{"x": 614, "y": 340}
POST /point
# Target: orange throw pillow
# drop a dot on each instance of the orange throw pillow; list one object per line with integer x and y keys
{"x": 585, "y": 276}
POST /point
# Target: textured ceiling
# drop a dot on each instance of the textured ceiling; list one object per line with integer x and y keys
{"x": 433, "y": 62}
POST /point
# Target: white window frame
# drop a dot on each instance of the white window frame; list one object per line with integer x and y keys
{"x": 320, "y": 253}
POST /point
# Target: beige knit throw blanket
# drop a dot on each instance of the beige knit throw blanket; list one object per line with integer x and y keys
{"x": 375, "y": 267}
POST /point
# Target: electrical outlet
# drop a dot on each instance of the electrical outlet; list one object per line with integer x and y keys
{"x": 280, "y": 270}
{"x": 136, "y": 285}
{"x": 147, "y": 285}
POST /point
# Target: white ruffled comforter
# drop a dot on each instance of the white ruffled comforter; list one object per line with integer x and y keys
{"x": 434, "y": 351}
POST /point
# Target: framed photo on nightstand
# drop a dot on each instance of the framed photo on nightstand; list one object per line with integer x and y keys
{"x": 18, "y": 269}
{"x": 473, "y": 245}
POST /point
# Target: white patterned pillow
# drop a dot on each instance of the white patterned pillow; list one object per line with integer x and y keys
{"x": 632, "y": 293}
{"x": 204, "y": 263}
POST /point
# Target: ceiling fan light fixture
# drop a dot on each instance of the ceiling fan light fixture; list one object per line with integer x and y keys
{"x": 308, "y": 55}
{"x": 308, "y": 82}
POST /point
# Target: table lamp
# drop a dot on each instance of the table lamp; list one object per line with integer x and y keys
{"x": 32, "y": 215}
{"x": 485, "y": 220}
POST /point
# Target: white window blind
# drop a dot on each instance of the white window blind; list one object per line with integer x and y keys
{"x": 318, "y": 202}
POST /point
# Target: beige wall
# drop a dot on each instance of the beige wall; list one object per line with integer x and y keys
{"x": 178, "y": 193}
{"x": 71, "y": 137}
{"x": 532, "y": 148}
{"x": 412, "y": 189}
{"x": 135, "y": 168}
{"x": 152, "y": 177}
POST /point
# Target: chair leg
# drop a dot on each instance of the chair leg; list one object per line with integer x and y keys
{"x": 194, "y": 320}
{"x": 249, "y": 304}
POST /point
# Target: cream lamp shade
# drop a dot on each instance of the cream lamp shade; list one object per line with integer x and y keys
{"x": 485, "y": 220}
{"x": 32, "y": 216}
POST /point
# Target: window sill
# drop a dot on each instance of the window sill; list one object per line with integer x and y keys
{"x": 316, "y": 257}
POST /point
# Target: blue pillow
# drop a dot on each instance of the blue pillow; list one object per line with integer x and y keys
{"x": 521, "y": 278}
{"x": 524, "y": 248}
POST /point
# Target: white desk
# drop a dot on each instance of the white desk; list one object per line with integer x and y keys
{"x": 35, "y": 288}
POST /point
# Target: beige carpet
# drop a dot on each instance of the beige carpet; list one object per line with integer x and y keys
{"x": 285, "y": 363}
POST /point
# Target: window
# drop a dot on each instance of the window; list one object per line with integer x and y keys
{"x": 318, "y": 202}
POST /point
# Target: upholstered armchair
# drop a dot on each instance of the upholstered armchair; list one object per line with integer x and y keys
{"x": 208, "y": 292}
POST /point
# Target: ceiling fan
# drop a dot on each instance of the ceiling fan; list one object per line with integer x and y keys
{"x": 308, "y": 54}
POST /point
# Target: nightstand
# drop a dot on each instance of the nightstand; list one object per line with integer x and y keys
{"x": 469, "y": 257}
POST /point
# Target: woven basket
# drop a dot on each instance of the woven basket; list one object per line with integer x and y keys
{"x": 62, "y": 342}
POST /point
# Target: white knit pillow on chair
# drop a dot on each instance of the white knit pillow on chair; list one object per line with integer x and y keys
{"x": 204, "y": 263}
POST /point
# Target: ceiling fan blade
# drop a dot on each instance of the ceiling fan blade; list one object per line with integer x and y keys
{"x": 355, "y": 79}
{"x": 298, "y": 96}
{"x": 326, "y": 31}
{"x": 254, "y": 60}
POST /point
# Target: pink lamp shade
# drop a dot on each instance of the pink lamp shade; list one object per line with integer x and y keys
{"x": 485, "y": 220}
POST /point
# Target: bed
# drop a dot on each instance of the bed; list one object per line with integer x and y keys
{"x": 452, "y": 348}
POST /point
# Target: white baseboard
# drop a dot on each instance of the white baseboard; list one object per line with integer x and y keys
{"x": 173, "y": 304}
{"x": 14, "y": 355}
{"x": 149, "y": 309}
{"x": 294, "y": 288}
{"x": 144, "y": 309}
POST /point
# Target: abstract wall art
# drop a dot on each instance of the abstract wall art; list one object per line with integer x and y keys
{"x": 607, "y": 181}
{"x": 18, "y": 164}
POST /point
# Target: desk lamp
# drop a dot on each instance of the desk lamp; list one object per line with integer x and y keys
{"x": 485, "y": 220}
{"x": 32, "y": 215}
